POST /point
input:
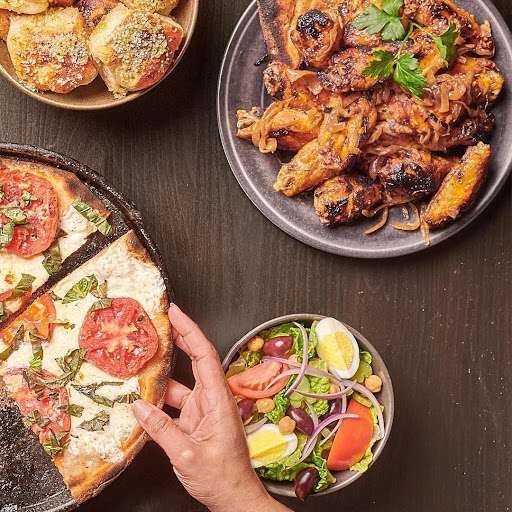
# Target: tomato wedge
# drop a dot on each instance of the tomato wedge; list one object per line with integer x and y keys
{"x": 352, "y": 439}
{"x": 119, "y": 339}
{"x": 42, "y": 213}
{"x": 252, "y": 382}
{"x": 48, "y": 406}
{"x": 40, "y": 315}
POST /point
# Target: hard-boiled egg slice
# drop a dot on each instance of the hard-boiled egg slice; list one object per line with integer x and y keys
{"x": 338, "y": 347}
{"x": 268, "y": 445}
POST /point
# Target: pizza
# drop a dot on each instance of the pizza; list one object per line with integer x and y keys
{"x": 46, "y": 214}
{"x": 80, "y": 352}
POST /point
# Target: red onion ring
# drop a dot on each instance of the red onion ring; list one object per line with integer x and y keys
{"x": 255, "y": 426}
{"x": 311, "y": 370}
{"x": 305, "y": 350}
{"x": 310, "y": 444}
{"x": 333, "y": 396}
{"x": 313, "y": 414}
{"x": 368, "y": 394}
{"x": 293, "y": 371}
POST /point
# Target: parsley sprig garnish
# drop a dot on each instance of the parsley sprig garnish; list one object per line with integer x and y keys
{"x": 405, "y": 67}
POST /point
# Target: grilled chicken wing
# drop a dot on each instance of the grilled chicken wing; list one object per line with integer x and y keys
{"x": 317, "y": 37}
{"x": 342, "y": 199}
{"x": 409, "y": 175}
{"x": 293, "y": 35}
{"x": 301, "y": 88}
{"x": 436, "y": 16}
{"x": 460, "y": 187}
{"x": 279, "y": 127}
{"x": 339, "y": 142}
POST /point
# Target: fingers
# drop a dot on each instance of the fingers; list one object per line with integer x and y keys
{"x": 176, "y": 394}
{"x": 161, "y": 428}
{"x": 194, "y": 343}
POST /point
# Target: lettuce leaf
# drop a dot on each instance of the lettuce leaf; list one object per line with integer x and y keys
{"x": 365, "y": 366}
{"x": 319, "y": 386}
{"x": 281, "y": 403}
{"x": 251, "y": 358}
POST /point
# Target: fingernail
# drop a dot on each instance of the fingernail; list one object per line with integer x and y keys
{"x": 173, "y": 305}
{"x": 141, "y": 410}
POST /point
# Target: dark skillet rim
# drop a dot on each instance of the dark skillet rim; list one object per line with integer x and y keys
{"x": 131, "y": 216}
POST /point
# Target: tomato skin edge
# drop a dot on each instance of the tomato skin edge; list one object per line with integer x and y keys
{"x": 352, "y": 439}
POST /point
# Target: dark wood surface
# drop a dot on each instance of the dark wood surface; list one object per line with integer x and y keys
{"x": 441, "y": 319}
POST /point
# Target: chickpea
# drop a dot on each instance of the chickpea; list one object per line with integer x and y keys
{"x": 334, "y": 388}
{"x": 255, "y": 344}
{"x": 265, "y": 405}
{"x": 286, "y": 425}
{"x": 373, "y": 383}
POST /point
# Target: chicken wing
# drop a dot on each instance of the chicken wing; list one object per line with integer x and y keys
{"x": 436, "y": 16}
{"x": 459, "y": 188}
{"x": 409, "y": 175}
{"x": 279, "y": 127}
{"x": 339, "y": 142}
{"x": 317, "y": 36}
{"x": 342, "y": 199}
{"x": 352, "y": 36}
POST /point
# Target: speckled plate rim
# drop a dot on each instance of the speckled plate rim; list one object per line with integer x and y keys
{"x": 48, "y": 99}
{"x": 286, "y": 489}
{"x": 291, "y": 226}
{"x": 133, "y": 219}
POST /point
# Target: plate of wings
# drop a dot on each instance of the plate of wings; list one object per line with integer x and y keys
{"x": 368, "y": 128}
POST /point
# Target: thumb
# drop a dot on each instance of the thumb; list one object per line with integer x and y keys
{"x": 161, "y": 428}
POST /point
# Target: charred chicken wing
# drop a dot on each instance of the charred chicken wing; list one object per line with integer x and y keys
{"x": 342, "y": 199}
{"x": 460, "y": 187}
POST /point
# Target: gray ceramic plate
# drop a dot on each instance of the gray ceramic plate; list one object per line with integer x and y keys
{"x": 385, "y": 397}
{"x": 241, "y": 87}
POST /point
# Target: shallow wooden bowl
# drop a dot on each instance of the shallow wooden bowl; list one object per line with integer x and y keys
{"x": 96, "y": 96}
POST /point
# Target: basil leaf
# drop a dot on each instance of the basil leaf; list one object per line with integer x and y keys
{"x": 16, "y": 342}
{"x": 129, "y": 398}
{"x": 78, "y": 292}
{"x": 52, "y": 262}
{"x": 98, "y": 290}
{"x": 53, "y": 445}
{"x": 64, "y": 323}
{"x": 73, "y": 410}
{"x": 3, "y": 313}
{"x": 98, "y": 423}
{"x": 92, "y": 215}
{"x": 22, "y": 287}
{"x": 89, "y": 391}
{"x": 14, "y": 212}
{"x": 70, "y": 364}
{"x": 6, "y": 234}
{"x": 35, "y": 417}
{"x": 28, "y": 197}
{"x": 34, "y": 384}
{"x": 36, "y": 364}
{"x": 100, "y": 304}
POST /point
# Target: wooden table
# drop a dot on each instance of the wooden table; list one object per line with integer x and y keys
{"x": 441, "y": 319}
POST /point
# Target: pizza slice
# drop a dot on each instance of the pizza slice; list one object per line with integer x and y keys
{"x": 77, "y": 358}
{"x": 46, "y": 214}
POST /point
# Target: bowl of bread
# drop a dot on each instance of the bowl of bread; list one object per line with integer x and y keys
{"x": 92, "y": 54}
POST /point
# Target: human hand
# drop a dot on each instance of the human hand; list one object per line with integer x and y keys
{"x": 206, "y": 445}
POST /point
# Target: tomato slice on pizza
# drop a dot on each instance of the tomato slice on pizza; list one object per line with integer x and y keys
{"x": 119, "y": 339}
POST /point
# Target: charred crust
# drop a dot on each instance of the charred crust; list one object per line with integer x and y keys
{"x": 310, "y": 20}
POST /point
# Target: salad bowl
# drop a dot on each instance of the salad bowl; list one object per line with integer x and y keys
{"x": 386, "y": 398}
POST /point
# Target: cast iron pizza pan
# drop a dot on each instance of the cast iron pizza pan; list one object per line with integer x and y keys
{"x": 46, "y": 492}
{"x": 241, "y": 87}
